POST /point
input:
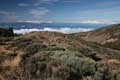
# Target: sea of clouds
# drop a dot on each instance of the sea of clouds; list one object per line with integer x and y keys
{"x": 62, "y": 30}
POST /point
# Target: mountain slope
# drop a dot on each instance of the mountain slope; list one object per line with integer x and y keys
{"x": 56, "y": 56}
{"x": 108, "y": 36}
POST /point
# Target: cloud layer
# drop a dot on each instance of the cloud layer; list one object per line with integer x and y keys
{"x": 62, "y": 30}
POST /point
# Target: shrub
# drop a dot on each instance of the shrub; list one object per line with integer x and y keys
{"x": 98, "y": 76}
{"x": 21, "y": 42}
{"x": 102, "y": 72}
{"x": 113, "y": 45}
{"x": 5, "y": 39}
{"x": 114, "y": 75}
{"x": 88, "y": 67}
{"x": 86, "y": 51}
{"x": 118, "y": 76}
{"x": 82, "y": 66}
{"x": 34, "y": 48}
{"x": 55, "y": 49}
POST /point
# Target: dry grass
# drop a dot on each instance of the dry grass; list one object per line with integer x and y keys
{"x": 1, "y": 78}
{"x": 113, "y": 61}
{"x": 12, "y": 63}
{"x": 4, "y": 51}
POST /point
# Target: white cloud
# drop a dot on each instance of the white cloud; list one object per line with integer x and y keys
{"x": 23, "y": 4}
{"x": 30, "y": 21}
{"x": 48, "y": 21}
{"x": 103, "y": 15}
{"x": 105, "y": 11}
{"x": 35, "y": 21}
{"x": 38, "y": 2}
{"x": 92, "y": 22}
{"x": 8, "y": 16}
{"x": 6, "y": 13}
{"x": 101, "y": 11}
{"x": 62, "y": 30}
{"x": 47, "y": 0}
{"x": 107, "y": 3}
{"x": 71, "y": 1}
{"x": 97, "y": 22}
{"x": 39, "y": 12}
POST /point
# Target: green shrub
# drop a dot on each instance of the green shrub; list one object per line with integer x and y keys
{"x": 5, "y": 39}
{"x": 102, "y": 72}
{"x": 99, "y": 76}
{"x": 88, "y": 66}
{"x": 34, "y": 48}
{"x": 22, "y": 42}
{"x": 113, "y": 45}
{"x": 118, "y": 76}
{"x": 55, "y": 49}
{"x": 82, "y": 66}
{"x": 114, "y": 75}
{"x": 85, "y": 51}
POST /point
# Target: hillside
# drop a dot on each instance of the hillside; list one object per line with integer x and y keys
{"x": 107, "y": 36}
{"x": 56, "y": 56}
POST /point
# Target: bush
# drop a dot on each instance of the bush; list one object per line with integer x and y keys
{"x": 34, "y": 48}
{"x": 88, "y": 67}
{"x": 82, "y": 66}
{"x": 118, "y": 76}
{"x": 99, "y": 76}
{"x": 5, "y": 39}
{"x": 21, "y": 42}
{"x": 87, "y": 52}
{"x": 55, "y": 49}
{"x": 102, "y": 72}
{"x": 114, "y": 75}
{"x": 113, "y": 45}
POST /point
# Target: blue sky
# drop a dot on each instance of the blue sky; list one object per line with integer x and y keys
{"x": 67, "y": 11}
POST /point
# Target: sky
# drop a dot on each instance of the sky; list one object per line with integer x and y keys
{"x": 60, "y": 11}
